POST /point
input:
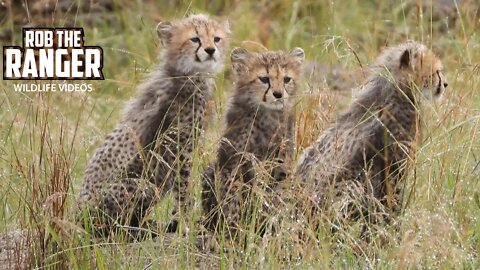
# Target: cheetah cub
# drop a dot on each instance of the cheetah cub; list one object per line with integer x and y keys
{"x": 148, "y": 153}
{"x": 260, "y": 128}
{"x": 357, "y": 164}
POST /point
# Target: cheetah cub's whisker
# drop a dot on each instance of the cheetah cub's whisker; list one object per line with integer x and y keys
{"x": 260, "y": 130}
{"x": 149, "y": 152}
{"x": 356, "y": 166}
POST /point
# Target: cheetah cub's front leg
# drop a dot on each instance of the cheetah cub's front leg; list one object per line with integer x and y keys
{"x": 149, "y": 152}
{"x": 259, "y": 125}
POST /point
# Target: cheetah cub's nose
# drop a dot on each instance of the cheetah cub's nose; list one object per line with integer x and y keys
{"x": 277, "y": 94}
{"x": 210, "y": 51}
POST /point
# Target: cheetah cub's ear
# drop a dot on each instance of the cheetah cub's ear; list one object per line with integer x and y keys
{"x": 226, "y": 27}
{"x": 298, "y": 54}
{"x": 405, "y": 59}
{"x": 239, "y": 58}
{"x": 164, "y": 32}
{"x": 411, "y": 59}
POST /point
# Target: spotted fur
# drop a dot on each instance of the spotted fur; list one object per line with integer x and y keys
{"x": 260, "y": 130}
{"x": 148, "y": 153}
{"x": 362, "y": 157}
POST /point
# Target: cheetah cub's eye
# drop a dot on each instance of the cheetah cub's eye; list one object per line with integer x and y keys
{"x": 195, "y": 40}
{"x": 264, "y": 79}
{"x": 287, "y": 79}
{"x": 216, "y": 39}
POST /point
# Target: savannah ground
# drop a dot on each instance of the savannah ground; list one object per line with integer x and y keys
{"x": 46, "y": 139}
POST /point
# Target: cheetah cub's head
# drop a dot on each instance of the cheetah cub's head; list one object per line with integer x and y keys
{"x": 195, "y": 44}
{"x": 268, "y": 79}
{"x": 414, "y": 65}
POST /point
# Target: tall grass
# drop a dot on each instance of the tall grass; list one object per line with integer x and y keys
{"x": 47, "y": 138}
